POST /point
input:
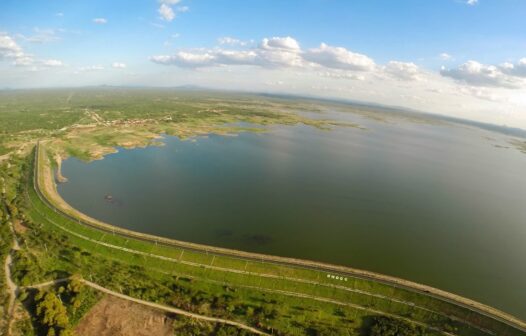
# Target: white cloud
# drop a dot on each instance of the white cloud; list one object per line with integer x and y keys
{"x": 472, "y": 2}
{"x": 186, "y": 59}
{"x": 9, "y": 49}
{"x": 482, "y": 93}
{"x": 518, "y": 69}
{"x": 229, "y": 57}
{"x": 403, "y": 70}
{"x": 226, "y": 40}
{"x": 166, "y": 12}
{"x": 285, "y": 43}
{"x": 166, "y": 9}
{"x": 24, "y": 60}
{"x": 339, "y": 58}
{"x": 118, "y": 65}
{"x": 100, "y": 21}
{"x": 208, "y": 58}
{"x": 41, "y": 36}
{"x": 478, "y": 74}
{"x": 273, "y": 52}
{"x": 279, "y": 52}
{"x": 445, "y": 56}
{"x": 342, "y": 75}
{"x": 170, "y": 2}
{"x": 91, "y": 68}
{"x": 52, "y": 63}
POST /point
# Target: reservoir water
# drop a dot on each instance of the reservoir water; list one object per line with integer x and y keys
{"x": 442, "y": 205}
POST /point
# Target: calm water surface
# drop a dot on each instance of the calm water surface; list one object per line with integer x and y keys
{"x": 440, "y": 205}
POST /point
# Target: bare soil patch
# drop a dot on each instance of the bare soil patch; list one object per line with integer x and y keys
{"x": 19, "y": 227}
{"x": 112, "y": 316}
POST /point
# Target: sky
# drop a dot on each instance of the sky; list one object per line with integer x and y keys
{"x": 461, "y": 58}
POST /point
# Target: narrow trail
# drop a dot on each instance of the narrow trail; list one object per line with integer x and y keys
{"x": 12, "y": 287}
{"x": 152, "y": 305}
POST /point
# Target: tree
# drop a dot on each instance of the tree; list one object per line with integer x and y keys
{"x": 52, "y": 312}
{"x": 387, "y": 326}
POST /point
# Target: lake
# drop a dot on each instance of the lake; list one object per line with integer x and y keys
{"x": 437, "y": 204}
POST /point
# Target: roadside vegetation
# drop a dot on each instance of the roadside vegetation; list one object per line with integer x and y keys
{"x": 273, "y": 298}
{"x": 56, "y": 309}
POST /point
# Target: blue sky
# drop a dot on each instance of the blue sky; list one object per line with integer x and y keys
{"x": 465, "y": 58}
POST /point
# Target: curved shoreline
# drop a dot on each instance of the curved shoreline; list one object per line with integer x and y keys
{"x": 53, "y": 200}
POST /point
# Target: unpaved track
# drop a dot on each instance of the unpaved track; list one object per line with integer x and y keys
{"x": 12, "y": 287}
{"x": 154, "y": 305}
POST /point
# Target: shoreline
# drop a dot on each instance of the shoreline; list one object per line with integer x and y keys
{"x": 43, "y": 177}
{"x": 58, "y": 171}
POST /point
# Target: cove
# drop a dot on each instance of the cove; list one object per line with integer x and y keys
{"x": 436, "y": 204}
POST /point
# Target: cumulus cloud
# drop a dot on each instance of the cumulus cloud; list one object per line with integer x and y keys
{"x": 24, "y": 61}
{"x": 9, "y": 49}
{"x": 403, "y": 71}
{"x": 478, "y": 74}
{"x": 445, "y": 56}
{"x": 518, "y": 69}
{"x": 100, "y": 21}
{"x": 339, "y": 63}
{"x": 279, "y": 52}
{"x": 271, "y": 52}
{"x": 231, "y": 41}
{"x": 166, "y": 9}
{"x": 41, "y": 36}
{"x": 339, "y": 58}
{"x": 285, "y": 43}
{"x": 186, "y": 59}
{"x": 229, "y": 57}
{"x": 90, "y": 68}
{"x": 118, "y": 65}
{"x": 342, "y": 75}
{"x": 472, "y": 2}
{"x": 208, "y": 58}
{"x": 170, "y": 2}
{"x": 52, "y": 63}
{"x": 166, "y": 12}
{"x": 483, "y": 93}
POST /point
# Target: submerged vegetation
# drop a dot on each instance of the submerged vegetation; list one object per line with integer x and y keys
{"x": 274, "y": 298}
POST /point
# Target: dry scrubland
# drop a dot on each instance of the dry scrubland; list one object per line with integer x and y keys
{"x": 273, "y": 298}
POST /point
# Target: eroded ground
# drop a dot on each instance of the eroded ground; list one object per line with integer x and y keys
{"x": 112, "y": 316}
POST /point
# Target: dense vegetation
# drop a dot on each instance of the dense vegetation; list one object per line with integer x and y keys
{"x": 386, "y": 326}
